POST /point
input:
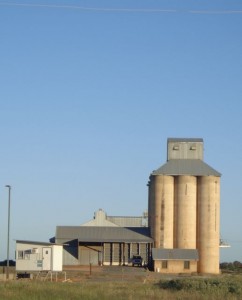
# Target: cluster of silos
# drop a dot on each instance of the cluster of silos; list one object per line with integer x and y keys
{"x": 183, "y": 210}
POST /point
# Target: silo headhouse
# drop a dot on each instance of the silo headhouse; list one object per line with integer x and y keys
{"x": 184, "y": 210}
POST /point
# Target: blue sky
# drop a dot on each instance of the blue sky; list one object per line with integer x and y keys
{"x": 88, "y": 99}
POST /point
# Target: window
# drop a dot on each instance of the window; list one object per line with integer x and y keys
{"x": 23, "y": 254}
{"x": 27, "y": 254}
{"x": 164, "y": 264}
{"x": 39, "y": 263}
{"x": 187, "y": 264}
{"x": 20, "y": 254}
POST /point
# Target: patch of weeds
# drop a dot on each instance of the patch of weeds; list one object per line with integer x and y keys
{"x": 207, "y": 286}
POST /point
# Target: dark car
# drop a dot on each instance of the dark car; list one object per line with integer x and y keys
{"x": 137, "y": 260}
{"x": 3, "y": 263}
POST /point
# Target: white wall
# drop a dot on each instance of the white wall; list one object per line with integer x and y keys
{"x": 31, "y": 261}
{"x": 57, "y": 258}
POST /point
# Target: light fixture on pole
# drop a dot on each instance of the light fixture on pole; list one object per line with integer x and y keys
{"x": 9, "y": 199}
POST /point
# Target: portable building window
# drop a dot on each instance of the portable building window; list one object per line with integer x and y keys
{"x": 27, "y": 254}
{"x": 24, "y": 254}
{"x": 39, "y": 263}
{"x": 20, "y": 254}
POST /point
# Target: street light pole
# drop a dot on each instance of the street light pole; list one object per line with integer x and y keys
{"x": 9, "y": 198}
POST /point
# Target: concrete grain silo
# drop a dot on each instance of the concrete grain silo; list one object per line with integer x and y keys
{"x": 185, "y": 216}
{"x": 208, "y": 223}
{"x": 161, "y": 210}
{"x": 183, "y": 210}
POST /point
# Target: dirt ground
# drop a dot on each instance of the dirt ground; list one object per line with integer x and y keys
{"x": 105, "y": 274}
{"x": 111, "y": 273}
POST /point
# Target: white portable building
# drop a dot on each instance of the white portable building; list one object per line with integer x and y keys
{"x": 38, "y": 256}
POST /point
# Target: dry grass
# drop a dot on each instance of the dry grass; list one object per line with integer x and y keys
{"x": 228, "y": 287}
{"x": 124, "y": 283}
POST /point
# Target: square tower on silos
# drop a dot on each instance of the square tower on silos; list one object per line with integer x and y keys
{"x": 184, "y": 203}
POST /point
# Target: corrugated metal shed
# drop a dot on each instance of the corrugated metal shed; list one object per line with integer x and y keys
{"x": 103, "y": 234}
{"x": 195, "y": 167}
{"x": 174, "y": 254}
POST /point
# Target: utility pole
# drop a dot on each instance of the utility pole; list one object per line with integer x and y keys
{"x": 9, "y": 200}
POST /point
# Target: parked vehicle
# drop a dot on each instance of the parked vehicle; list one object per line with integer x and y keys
{"x": 137, "y": 260}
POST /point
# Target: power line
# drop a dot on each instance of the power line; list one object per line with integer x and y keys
{"x": 122, "y": 10}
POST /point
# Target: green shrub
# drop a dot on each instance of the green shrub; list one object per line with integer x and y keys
{"x": 223, "y": 286}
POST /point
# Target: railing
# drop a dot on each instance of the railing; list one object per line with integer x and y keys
{"x": 45, "y": 275}
{"x": 223, "y": 244}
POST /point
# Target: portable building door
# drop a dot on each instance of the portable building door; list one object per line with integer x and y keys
{"x": 46, "y": 259}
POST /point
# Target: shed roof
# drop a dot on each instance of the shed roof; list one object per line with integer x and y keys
{"x": 103, "y": 234}
{"x": 174, "y": 254}
{"x": 185, "y": 140}
{"x": 195, "y": 167}
{"x": 35, "y": 243}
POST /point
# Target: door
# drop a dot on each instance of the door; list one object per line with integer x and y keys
{"x": 46, "y": 259}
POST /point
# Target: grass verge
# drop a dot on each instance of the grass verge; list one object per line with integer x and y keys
{"x": 182, "y": 288}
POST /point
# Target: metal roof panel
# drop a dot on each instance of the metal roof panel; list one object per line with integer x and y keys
{"x": 185, "y": 140}
{"x": 194, "y": 167}
{"x": 103, "y": 234}
{"x": 35, "y": 243}
{"x": 174, "y": 254}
